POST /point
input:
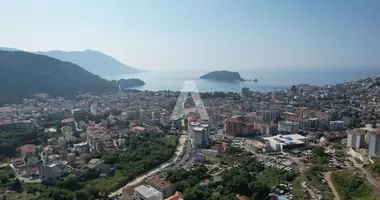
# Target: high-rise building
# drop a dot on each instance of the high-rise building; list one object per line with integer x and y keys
{"x": 355, "y": 138}
{"x": 374, "y": 143}
{"x": 143, "y": 192}
{"x": 245, "y": 92}
{"x": 200, "y": 137}
{"x": 268, "y": 115}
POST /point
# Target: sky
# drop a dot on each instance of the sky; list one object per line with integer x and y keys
{"x": 201, "y": 34}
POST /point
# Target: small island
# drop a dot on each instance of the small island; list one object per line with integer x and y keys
{"x": 129, "y": 83}
{"x": 223, "y": 76}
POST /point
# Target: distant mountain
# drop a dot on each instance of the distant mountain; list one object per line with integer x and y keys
{"x": 93, "y": 61}
{"x": 9, "y": 49}
{"x": 223, "y": 76}
{"x": 24, "y": 74}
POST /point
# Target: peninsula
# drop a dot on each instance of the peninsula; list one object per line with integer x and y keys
{"x": 129, "y": 83}
{"x": 223, "y": 76}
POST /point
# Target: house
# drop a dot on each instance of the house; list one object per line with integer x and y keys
{"x": 176, "y": 196}
{"x": 161, "y": 185}
{"x": 28, "y": 150}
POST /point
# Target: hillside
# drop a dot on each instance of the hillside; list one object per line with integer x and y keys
{"x": 93, "y": 61}
{"x": 24, "y": 74}
{"x": 224, "y": 76}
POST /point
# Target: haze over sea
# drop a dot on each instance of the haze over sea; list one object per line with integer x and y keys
{"x": 267, "y": 80}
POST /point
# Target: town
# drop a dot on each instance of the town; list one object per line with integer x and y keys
{"x": 304, "y": 142}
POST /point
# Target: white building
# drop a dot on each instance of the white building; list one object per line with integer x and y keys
{"x": 288, "y": 127}
{"x": 355, "y": 138}
{"x": 374, "y": 143}
{"x": 82, "y": 147}
{"x": 200, "y": 137}
{"x": 281, "y": 142}
{"x": 143, "y": 192}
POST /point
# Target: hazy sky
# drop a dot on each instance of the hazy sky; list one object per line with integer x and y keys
{"x": 199, "y": 34}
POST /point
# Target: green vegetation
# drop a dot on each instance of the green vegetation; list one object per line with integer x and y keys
{"x": 249, "y": 178}
{"x": 41, "y": 74}
{"x": 131, "y": 82}
{"x": 375, "y": 168}
{"x": 142, "y": 154}
{"x": 351, "y": 185}
{"x": 9, "y": 141}
{"x": 314, "y": 175}
{"x": 183, "y": 179}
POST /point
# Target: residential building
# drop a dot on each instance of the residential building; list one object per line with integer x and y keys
{"x": 82, "y": 147}
{"x": 144, "y": 192}
{"x": 268, "y": 129}
{"x": 237, "y": 127}
{"x": 374, "y": 143}
{"x": 288, "y": 127}
{"x": 355, "y": 138}
{"x": 32, "y": 161}
{"x": 9, "y": 125}
{"x": 49, "y": 173}
{"x": 161, "y": 185}
{"x": 268, "y": 115}
{"x": 28, "y": 150}
{"x": 176, "y": 196}
{"x": 98, "y": 139}
{"x": 245, "y": 92}
{"x": 200, "y": 137}
{"x": 336, "y": 126}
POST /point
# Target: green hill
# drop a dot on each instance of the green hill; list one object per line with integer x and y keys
{"x": 24, "y": 74}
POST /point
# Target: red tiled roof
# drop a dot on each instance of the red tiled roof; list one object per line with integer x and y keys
{"x": 139, "y": 128}
{"x": 28, "y": 148}
{"x": 176, "y": 196}
{"x": 159, "y": 182}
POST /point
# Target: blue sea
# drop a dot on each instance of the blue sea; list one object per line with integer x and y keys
{"x": 267, "y": 80}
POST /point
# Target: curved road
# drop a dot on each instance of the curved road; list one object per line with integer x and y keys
{"x": 137, "y": 180}
{"x": 368, "y": 175}
{"x": 332, "y": 187}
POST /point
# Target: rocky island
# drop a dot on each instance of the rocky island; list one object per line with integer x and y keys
{"x": 223, "y": 76}
{"x": 129, "y": 83}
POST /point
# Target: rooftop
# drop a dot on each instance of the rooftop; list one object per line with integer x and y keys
{"x": 286, "y": 139}
{"x": 147, "y": 191}
{"x": 158, "y": 182}
{"x": 198, "y": 129}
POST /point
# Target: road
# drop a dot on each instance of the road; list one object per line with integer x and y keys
{"x": 332, "y": 187}
{"x": 368, "y": 175}
{"x": 24, "y": 179}
{"x": 175, "y": 157}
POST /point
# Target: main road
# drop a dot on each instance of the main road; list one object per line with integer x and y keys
{"x": 179, "y": 149}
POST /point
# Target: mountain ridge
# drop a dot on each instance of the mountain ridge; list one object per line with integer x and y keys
{"x": 93, "y": 61}
{"x": 23, "y": 74}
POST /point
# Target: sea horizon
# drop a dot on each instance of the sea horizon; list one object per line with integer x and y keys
{"x": 268, "y": 80}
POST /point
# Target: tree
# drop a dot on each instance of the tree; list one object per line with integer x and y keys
{"x": 16, "y": 185}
